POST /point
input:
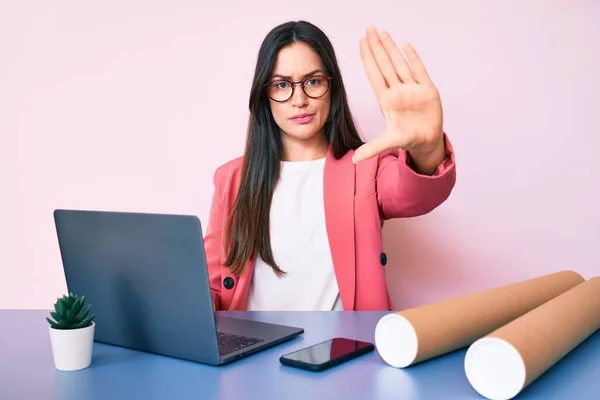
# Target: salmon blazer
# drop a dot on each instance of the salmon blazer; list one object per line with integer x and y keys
{"x": 358, "y": 199}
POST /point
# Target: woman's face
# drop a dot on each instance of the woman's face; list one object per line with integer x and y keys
{"x": 300, "y": 117}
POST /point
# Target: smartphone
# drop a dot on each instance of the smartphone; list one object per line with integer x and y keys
{"x": 327, "y": 354}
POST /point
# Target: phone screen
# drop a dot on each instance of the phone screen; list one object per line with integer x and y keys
{"x": 329, "y": 351}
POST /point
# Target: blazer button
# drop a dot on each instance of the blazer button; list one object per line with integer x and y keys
{"x": 383, "y": 258}
{"x": 228, "y": 282}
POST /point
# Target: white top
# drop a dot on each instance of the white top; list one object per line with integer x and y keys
{"x": 300, "y": 246}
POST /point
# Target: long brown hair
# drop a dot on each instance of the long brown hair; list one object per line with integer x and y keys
{"x": 247, "y": 231}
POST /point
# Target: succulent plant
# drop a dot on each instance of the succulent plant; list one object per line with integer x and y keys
{"x": 69, "y": 313}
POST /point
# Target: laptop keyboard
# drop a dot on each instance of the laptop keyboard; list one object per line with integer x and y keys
{"x": 229, "y": 343}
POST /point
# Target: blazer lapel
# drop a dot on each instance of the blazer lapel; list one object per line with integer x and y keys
{"x": 339, "y": 218}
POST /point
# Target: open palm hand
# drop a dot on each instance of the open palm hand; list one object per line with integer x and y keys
{"x": 409, "y": 101}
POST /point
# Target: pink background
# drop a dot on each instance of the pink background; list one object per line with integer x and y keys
{"x": 131, "y": 105}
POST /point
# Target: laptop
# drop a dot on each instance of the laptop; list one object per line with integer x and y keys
{"x": 146, "y": 278}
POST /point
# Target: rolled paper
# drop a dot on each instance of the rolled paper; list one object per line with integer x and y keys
{"x": 500, "y": 365}
{"x": 410, "y": 336}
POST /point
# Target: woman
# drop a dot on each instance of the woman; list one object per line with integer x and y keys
{"x": 295, "y": 224}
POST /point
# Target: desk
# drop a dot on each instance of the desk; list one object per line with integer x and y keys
{"x": 27, "y": 370}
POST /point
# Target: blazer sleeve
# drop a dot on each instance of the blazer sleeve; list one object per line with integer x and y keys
{"x": 402, "y": 192}
{"x": 213, "y": 240}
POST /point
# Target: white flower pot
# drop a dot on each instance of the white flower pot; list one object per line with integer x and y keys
{"x": 72, "y": 348}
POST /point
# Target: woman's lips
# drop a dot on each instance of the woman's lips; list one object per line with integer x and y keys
{"x": 302, "y": 118}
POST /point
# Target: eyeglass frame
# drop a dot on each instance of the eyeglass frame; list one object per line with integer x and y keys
{"x": 301, "y": 83}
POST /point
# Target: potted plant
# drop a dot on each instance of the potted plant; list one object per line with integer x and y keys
{"x": 71, "y": 333}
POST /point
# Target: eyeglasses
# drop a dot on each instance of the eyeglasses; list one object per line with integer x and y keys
{"x": 282, "y": 90}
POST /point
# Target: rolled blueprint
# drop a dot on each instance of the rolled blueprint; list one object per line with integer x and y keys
{"x": 501, "y": 364}
{"x": 407, "y": 337}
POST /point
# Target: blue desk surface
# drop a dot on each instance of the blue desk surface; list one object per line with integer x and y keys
{"x": 27, "y": 370}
